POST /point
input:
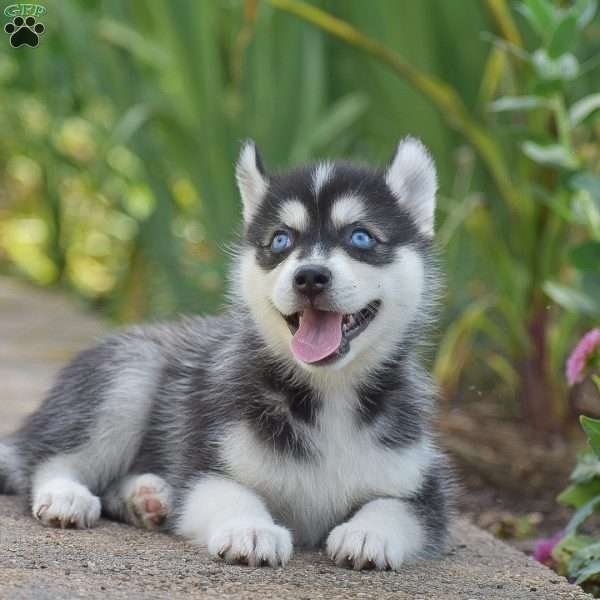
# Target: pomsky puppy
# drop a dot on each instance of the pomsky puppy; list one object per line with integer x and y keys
{"x": 302, "y": 413}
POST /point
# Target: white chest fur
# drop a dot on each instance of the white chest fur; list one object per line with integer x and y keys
{"x": 349, "y": 467}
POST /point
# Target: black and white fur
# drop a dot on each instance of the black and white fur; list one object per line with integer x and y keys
{"x": 211, "y": 425}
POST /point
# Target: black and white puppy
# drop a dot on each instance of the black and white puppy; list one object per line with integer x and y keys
{"x": 301, "y": 413}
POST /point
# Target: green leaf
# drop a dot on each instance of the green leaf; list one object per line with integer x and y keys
{"x": 592, "y": 430}
{"x": 582, "y": 514}
{"x": 541, "y": 16}
{"x": 558, "y": 204}
{"x": 588, "y": 182}
{"x": 583, "y": 108}
{"x": 564, "y": 37}
{"x": 577, "y": 494}
{"x": 590, "y": 570}
{"x": 582, "y": 557}
{"x": 123, "y": 36}
{"x": 131, "y": 122}
{"x": 585, "y": 210}
{"x": 564, "y": 551}
{"x": 518, "y": 103}
{"x": 587, "y": 468}
{"x": 341, "y": 117}
{"x": 586, "y": 256}
{"x": 571, "y": 299}
{"x": 552, "y": 154}
{"x": 585, "y": 11}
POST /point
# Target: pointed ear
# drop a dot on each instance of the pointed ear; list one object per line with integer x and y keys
{"x": 251, "y": 179}
{"x": 412, "y": 178}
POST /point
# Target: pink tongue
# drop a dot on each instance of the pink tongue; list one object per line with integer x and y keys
{"x": 319, "y": 335}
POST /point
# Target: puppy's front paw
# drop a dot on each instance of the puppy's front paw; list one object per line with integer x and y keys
{"x": 66, "y": 504}
{"x": 251, "y": 543}
{"x": 355, "y": 546}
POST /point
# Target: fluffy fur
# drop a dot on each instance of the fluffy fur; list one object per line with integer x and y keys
{"x": 213, "y": 428}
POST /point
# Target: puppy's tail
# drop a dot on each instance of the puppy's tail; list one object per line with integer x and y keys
{"x": 11, "y": 471}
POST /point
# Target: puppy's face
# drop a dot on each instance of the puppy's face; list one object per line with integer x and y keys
{"x": 332, "y": 265}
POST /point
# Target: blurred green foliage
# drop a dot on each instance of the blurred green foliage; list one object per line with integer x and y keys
{"x": 119, "y": 133}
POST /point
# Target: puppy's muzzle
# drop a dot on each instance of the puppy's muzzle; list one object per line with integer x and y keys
{"x": 312, "y": 280}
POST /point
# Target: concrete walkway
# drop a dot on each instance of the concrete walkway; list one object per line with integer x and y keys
{"x": 38, "y": 331}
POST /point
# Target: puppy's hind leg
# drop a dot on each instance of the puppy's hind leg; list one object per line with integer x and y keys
{"x": 88, "y": 432}
{"x": 140, "y": 500}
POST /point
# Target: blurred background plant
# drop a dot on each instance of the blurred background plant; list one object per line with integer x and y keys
{"x": 118, "y": 136}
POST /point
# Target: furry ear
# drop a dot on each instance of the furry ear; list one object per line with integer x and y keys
{"x": 251, "y": 179}
{"x": 412, "y": 178}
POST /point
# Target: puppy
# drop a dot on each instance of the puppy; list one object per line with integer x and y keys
{"x": 301, "y": 413}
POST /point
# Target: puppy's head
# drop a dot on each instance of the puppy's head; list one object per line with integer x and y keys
{"x": 334, "y": 259}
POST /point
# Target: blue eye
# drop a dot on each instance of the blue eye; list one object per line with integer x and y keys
{"x": 362, "y": 239}
{"x": 281, "y": 241}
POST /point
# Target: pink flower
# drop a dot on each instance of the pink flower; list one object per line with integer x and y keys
{"x": 584, "y": 350}
{"x": 543, "y": 548}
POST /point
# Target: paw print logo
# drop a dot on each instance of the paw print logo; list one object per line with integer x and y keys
{"x": 24, "y": 32}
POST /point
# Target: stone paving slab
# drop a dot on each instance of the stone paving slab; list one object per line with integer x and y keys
{"x": 118, "y": 561}
{"x": 38, "y": 332}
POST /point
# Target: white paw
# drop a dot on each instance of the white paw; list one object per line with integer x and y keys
{"x": 148, "y": 501}
{"x": 354, "y": 545}
{"x": 66, "y": 504}
{"x": 251, "y": 543}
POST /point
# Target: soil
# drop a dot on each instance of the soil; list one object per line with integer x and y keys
{"x": 518, "y": 519}
{"x": 509, "y": 477}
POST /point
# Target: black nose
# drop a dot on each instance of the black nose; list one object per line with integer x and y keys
{"x": 311, "y": 280}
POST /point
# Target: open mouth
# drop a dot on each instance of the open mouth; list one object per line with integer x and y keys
{"x": 319, "y": 337}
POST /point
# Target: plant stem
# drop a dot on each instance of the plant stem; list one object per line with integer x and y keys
{"x": 563, "y": 126}
{"x": 501, "y": 14}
